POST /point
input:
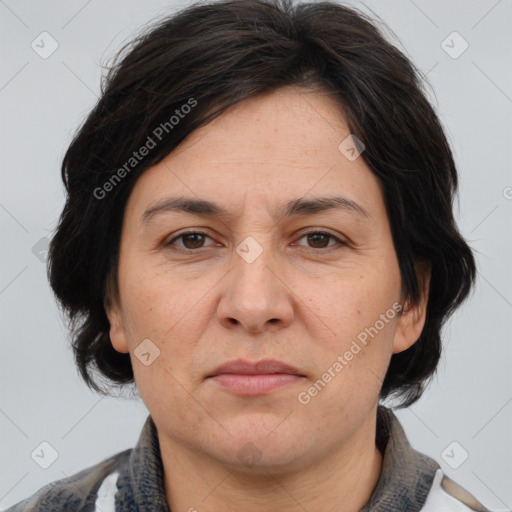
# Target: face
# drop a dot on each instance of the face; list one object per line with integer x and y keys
{"x": 315, "y": 285}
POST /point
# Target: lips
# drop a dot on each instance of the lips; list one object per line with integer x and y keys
{"x": 266, "y": 366}
{"x": 244, "y": 378}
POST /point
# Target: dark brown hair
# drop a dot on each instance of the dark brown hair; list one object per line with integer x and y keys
{"x": 210, "y": 56}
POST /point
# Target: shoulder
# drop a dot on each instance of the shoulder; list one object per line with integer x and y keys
{"x": 78, "y": 492}
{"x": 447, "y": 496}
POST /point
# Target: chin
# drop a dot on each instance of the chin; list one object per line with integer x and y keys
{"x": 265, "y": 443}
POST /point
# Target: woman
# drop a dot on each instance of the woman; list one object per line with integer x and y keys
{"x": 259, "y": 234}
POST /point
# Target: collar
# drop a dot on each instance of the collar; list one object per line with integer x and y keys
{"x": 141, "y": 481}
{"x": 403, "y": 485}
{"x": 406, "y": 476}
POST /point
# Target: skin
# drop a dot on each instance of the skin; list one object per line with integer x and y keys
{"x": 301, "y": 301}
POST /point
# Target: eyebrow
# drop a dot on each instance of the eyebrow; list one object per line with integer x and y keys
{"x": 293, "y": 208}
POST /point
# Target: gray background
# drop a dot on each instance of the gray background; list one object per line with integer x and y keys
{"x": 42, "y": 101}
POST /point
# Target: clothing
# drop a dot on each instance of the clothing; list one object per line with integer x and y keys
{"x": 132, "y": 480}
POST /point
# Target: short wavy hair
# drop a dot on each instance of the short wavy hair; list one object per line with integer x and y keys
{"x": 219, "y": 53}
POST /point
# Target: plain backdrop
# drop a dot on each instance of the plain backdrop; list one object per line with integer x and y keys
{"x": 466, "y": 412}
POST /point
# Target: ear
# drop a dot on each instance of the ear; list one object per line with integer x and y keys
{"x": 412, "y": 318}
{"x": 117, "y": 330}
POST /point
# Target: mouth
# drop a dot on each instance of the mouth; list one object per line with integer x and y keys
{"x": 245, "y": 378}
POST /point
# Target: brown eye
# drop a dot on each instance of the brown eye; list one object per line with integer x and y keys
{"x": 190, "y": 241}
{"x": 318, "y": 240}
{"x": 193, "y": 240}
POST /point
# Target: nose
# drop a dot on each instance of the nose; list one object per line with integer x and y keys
{"x": 255, "y": 295}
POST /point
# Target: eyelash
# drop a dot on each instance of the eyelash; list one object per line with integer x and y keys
{"x": 189, "y": 251}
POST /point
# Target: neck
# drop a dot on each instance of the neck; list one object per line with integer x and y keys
{"x": 343, "y": 480}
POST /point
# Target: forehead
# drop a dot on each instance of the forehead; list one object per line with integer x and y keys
{"x": 284, "y": 125}
{"x": 268, "y": 150}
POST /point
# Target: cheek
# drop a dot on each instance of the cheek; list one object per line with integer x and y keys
{"x": 158, "y": 304}
{"x": 349, "y": 305}
{"x": 168, "y": 317}
{"x": 358, "y": 316}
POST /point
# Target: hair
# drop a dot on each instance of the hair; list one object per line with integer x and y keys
{"x": 212, "y": 55}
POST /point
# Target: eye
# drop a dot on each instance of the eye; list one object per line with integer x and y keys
{"x": 192, "y": 240}
{"x": 320, "y": 239}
